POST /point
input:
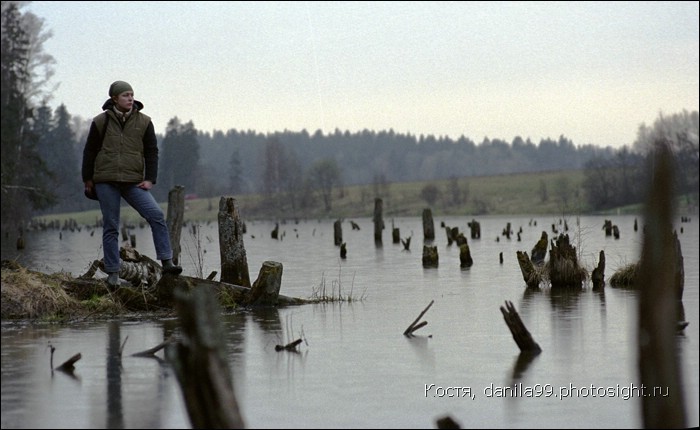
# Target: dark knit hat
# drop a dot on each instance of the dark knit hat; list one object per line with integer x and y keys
{"x": 119, "y": 87}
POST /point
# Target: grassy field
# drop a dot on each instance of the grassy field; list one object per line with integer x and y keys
{"x": 557, "y": 192}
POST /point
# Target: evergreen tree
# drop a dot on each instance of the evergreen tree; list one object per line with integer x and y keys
{"x": 25, "y": 185}
{"x": 179, "y": 159}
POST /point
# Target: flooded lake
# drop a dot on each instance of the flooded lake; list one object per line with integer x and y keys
{"x": 355, "y": 367}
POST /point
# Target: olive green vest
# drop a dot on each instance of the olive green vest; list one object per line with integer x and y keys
{"x": 121, "y": 156}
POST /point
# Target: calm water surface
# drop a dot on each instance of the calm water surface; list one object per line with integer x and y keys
{"x": 356, "y": 369}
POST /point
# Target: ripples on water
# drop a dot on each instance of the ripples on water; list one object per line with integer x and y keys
{"x": 356, "y": 369}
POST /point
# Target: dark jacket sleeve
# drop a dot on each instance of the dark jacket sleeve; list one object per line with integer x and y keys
{"x": 93, "y": 144}
{"x": 150, "y": 153}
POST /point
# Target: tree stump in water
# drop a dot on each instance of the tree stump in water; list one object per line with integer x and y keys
{"x": 520, "y": 333}
{"x": 266, "y": 289}
{"x": 539, "y": 251}
{"x": 475, "y": 228}
{"x": 234, "y": 264}
{"x": 395, "y": 235}
{"x": 337, "y": 233}
{"x": 465, "y": 256}
{"x": 176, "y": 213}
{"x": 531, "y": 276}
{"x": 563, "y": 265}
{"x": 598, "y": 275}
{"x": 378, "y": 220}
{"x": 430, "y": 256}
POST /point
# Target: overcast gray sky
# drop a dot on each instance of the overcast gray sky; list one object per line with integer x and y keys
{"x": 592, "y": 71}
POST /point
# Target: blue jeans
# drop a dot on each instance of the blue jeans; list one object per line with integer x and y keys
{"x": 110, "y": 195}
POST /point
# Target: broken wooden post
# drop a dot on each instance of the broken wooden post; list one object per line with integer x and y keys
{"x": 531, "y": 276}
{"x": 658, "y": 301}
{"x": 176, "y": 214}
{"x": 465, "y": 256}
{"x": 378, "y": 220}
{"x": 266, "y": 289}
{"x": 343, "y": 250}
{"x": 598, "y": 275}
{"x": 395, "y": 235}
{"x": 199, "y": 362}
{"x": 234, "y": 264}
{"x": 415, "y": 325}
{"x": 608, "y": 227}
{"x": 428, "y": 225}
{"x": 337, "y": 233}
{"x": 520, "y": 333}
{"x": 475, "y": 229}
{"x": 539, "y": 251}
{"x": 406, "y": 243}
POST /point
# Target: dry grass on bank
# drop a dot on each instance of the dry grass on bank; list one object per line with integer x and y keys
{"x": 37, "y": 296}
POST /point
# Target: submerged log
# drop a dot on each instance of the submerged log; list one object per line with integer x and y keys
{"x": 415, "y": 325}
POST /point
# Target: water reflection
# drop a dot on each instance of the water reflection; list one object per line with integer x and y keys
{"x": 115, "y": 410}
{"x": 522, "y": 363}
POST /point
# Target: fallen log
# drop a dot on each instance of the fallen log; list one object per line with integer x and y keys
{"x": 415, "y": 325}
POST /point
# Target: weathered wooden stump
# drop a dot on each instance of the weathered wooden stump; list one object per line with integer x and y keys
{"x": 520, "y": 333}
{"x": 176, "y": 214}
{"x": 378, "y": 220}
{"x": 531, "y": 275}
{"x": 475, "y": 229}
{"x": 430, "y": 256}
{"x": 465, "y": 256}
{"x": 234, "y": 263}
{"x": 539, "y": 251}
{"x": 343, "y": 250}
{"x": 337, "y": 233}
{"x": 563, "y": 266}
{"x": 266, "y": 289}
{"x": 598, "y": 275}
